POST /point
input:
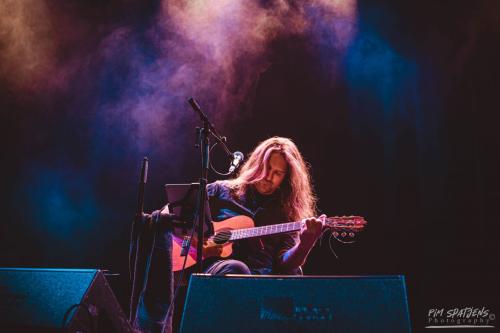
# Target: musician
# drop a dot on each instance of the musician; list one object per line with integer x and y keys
{"x": 273, "y": 186}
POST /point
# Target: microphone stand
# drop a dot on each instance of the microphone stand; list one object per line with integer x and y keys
{"x": 203, "y": 141}
{"x": 137, "y": 264}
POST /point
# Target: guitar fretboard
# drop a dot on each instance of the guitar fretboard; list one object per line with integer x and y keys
{"x": 265, "y": 230}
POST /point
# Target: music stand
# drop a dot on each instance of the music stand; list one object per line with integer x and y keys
{"x": 182, "y": 200}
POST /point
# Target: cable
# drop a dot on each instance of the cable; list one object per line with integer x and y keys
{"x": 212, "y": 167}
{"x": 85, "y": 306}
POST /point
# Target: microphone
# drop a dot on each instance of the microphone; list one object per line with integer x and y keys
{"x": 238, "y": 157}
{"x": 194, "y": 105}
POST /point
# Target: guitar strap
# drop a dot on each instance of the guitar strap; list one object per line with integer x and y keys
{"x": 243, "y": 210}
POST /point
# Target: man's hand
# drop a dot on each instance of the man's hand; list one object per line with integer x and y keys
{"x": 312, "y": 230}
{"x": 210, "y": 249}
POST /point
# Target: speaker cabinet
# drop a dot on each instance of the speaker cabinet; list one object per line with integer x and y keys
{"x": 250, "y": 304}
{"x": 51, "y": 300}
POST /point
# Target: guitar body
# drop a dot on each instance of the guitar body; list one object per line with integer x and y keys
{"x": 233, "y": 223}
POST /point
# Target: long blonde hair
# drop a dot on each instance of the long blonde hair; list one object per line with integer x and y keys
{"x": 297, "y": 195}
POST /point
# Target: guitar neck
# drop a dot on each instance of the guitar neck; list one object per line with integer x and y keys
{"x": 265, "y": 230}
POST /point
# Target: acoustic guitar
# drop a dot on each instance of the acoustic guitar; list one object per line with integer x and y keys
{"x": 243, "y": 227}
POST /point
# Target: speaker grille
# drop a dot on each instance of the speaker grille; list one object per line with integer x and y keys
{"x": 296, "y": 304}
{"x": 42, "y": 300}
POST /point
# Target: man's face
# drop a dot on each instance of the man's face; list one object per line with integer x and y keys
{"x": 276, "y": 172}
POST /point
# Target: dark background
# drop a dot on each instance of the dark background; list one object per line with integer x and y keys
{"x": 399, "y": 126}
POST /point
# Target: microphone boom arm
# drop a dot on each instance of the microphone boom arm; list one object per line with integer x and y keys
{"x": 220, "y": 139}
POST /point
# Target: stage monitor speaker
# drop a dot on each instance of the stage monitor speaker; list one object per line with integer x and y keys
{"x": 250, "y": 304}
{"x": 51, "y": 300}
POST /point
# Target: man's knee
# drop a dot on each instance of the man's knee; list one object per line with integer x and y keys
{"x": 229, "y": 266}
{"x": 237, "y": 267}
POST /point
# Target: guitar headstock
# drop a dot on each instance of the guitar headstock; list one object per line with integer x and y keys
{"x": 345, "y": 226}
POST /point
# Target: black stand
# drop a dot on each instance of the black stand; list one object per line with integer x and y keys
{"x": 137, "y": 279}
{"x": 204, "y": 143}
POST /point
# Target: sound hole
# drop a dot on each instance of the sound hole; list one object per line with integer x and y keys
{"x": 222, "y": 237}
